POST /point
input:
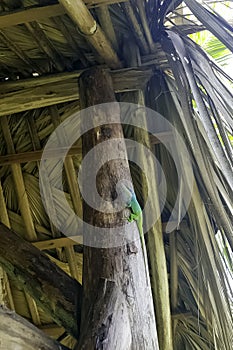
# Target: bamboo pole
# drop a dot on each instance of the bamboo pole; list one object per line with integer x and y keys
{"x": 23, "y": 206}
{"x": 31, "y": 303}
{"x": 144, "y": 20}
{"x": 107, "y": 26}
{"x": 73, "y": 189}
{"x": 49, "y": 204}
{"x": 88, "y": 27}
{"x": 4, "y": 218}
{"x": 173, "y": 278}
{"x": 137, "y": 31}
{"x": 19, "y": 184}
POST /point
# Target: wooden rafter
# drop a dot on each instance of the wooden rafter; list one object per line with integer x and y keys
{"x": 58, "y": 242}
{"x": 106, "y": 24}
{"x": 56, "y": 153}
{"x": 12, "y": 18}
{"x": 46, "y": 45}
{"x": 68, "y": 241}
{"x": 31, "y": 14}
{"x": 46, "y": 91}
{"x": 138, "y": 33}
{"x": 19, "y": 52}
{"x": 92, "y": 32}
{"x": 59, "y": 22}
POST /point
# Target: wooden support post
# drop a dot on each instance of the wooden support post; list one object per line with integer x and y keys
{"x": 117, "y": 302}
{"x": 53, "y": 290}
{"x": 173, "y": 276}
{"x": 173, "y": 270}
{"x": 6, "y": 294}
{"x": 19, "y": 184}
{"x": 73, "y": 188}
{"x": 156, "y": 252}
{"x": 49, "y": 204}
{"x": 23, "y": 206}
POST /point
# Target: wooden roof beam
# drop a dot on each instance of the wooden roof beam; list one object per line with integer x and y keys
{"x": 30, "y": 65}
{"x": 92, "y": 32}
{"x": 56, "y": 153}
{"x": 58, "y": 20}
{"x": 67, "y": 241}
{"x": 13, "y": 18}
{"x": 58, "y": 242}
{"x": 137, "y": 31}
{"x": 45, "y": 91}
{"x": 46, "y": 45}
{"x": 9, "y": 19}
{"x": 52, "y": 329}
{"x": 107, "y": 25}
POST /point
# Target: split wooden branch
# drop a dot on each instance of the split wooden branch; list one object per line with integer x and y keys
{"x": 53, "y": 290}
{"x": 18, "y": 333}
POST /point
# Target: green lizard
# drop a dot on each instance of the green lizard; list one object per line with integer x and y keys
{"x": 137, "y": 216}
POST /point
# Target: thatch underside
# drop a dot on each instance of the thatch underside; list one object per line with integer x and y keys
{"x": 44, "y": 47}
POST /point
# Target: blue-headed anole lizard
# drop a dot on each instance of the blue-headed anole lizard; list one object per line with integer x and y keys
{"x": 136, "y": 215}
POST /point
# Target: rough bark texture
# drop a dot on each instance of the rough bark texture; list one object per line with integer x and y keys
{"x": 17, "y": 333}
{"x": 117, "y": 310}
{"x": 53, "y": 290}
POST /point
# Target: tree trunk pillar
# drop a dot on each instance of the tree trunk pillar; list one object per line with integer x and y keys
{"x": 117, "y": 311}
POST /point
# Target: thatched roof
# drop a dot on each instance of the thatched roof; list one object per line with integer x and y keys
{"x": 44, "y": 47}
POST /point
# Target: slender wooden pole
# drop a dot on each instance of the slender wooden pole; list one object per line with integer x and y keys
{"x": 155, "y": 245}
